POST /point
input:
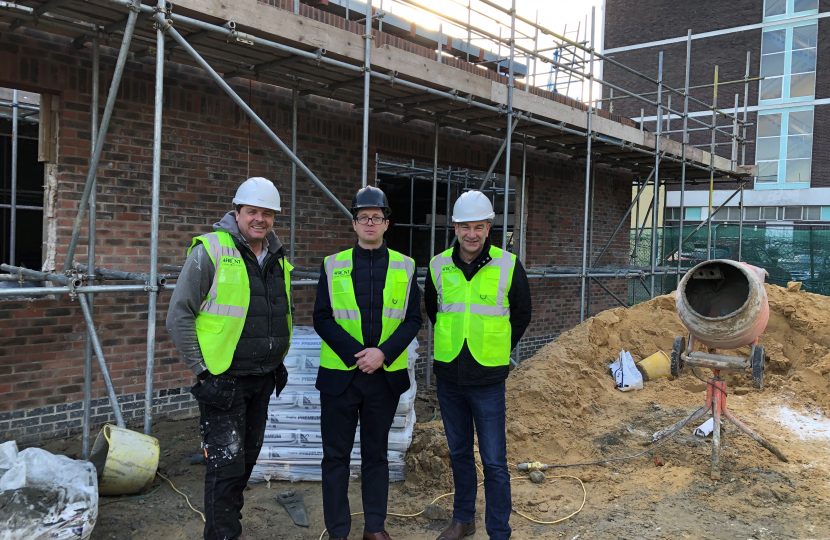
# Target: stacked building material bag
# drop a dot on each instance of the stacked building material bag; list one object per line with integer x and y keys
{"x": 293, "y": 445}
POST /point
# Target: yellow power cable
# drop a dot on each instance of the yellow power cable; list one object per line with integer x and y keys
{"x": 584, "y": 499}
{"x": 182, "y": 494}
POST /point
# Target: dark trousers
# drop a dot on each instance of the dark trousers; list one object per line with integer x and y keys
{"x": 232, "y": 436}
{"x": 464, "y": 407}
{"x": 369, "y": 398}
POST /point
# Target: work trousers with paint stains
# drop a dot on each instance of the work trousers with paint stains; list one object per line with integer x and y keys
{"x": 232, "y": 424}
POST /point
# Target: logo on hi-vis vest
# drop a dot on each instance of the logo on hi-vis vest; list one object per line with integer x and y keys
{"x": 449, "y": 268}
{"x": 342, "y": 272}
{"x": 232, "y": 261}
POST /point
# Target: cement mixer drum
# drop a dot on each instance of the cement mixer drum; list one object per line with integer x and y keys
{"x": 723, "y": 303}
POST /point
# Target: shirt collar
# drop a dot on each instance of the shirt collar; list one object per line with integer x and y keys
{"x": 481, "y": 259}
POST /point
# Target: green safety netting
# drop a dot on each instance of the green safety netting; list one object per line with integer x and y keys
{"x": 799, "y": 253}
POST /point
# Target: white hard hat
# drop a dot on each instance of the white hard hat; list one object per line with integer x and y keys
{"x": 258, "y": 191}
{"x": 472, "y": 206}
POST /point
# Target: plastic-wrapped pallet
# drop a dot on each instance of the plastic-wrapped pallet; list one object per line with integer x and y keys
{"x": 292, "y": 449}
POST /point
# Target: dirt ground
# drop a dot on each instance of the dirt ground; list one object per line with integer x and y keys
{"x": 563, "y": 408}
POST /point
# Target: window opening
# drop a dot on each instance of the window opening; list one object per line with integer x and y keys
{"x": 29, "y": 204}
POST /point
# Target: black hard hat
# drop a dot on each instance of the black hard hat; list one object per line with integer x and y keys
{"x": 371, "y": 197}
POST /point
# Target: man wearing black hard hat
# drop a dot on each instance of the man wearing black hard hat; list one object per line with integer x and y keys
{"x": 367, "y": 312}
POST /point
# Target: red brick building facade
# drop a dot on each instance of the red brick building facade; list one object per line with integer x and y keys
{"x": 209, "y": 147}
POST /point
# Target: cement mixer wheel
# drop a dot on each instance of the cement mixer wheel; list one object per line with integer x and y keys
{"x": 757, "y": 361}
{"x": 678, "y": 348}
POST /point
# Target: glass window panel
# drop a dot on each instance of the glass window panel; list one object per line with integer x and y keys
{"x": 769, "y": 212}
{"x": 768, "y": 172}
{"x": 771, "y": 88}
{"x": 798, "y": 170}
{"x": 812, "y": 213}
{"x": 825, "y": 213}
{"x": 802, "y": 85}
{"x": 804, "y": 36}
{"x": 799, "y": 146}
{"x": 773, "y": 42}
{"x": 775, "y": 7}
{"x": 805, "y": 5}
{"x": 803, "y": 61}
{"x": 720, "y": 215}
{"x": 769, "y": 125}
{"x": 734, "y": 213}
{"x": 752, "y": 213}
{"x": 800, "y": 122}
{"x": 693, "y": 214}
{"x": 768, "y": 148}
{"x": 772, "y": 65}
{"x": 792, "y": 212}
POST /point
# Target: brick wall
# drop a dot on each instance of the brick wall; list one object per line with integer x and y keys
{"x": 208, "y": 150}
{"x": 821, "y": 119}
{"x": 628, "y": 22}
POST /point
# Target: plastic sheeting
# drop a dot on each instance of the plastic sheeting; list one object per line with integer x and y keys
{"x": 292, "y": 449}
{"x": 44, "y": 496}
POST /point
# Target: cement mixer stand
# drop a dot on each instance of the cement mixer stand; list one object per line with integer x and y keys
{"x": 716, "y": 392}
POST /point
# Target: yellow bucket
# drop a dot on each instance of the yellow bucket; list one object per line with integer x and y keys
{"x": 126, "y": 461}
{"x": 655, "y": 366}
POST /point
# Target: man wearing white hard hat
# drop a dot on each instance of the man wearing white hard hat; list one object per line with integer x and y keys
{"x": 230, "y": 318}
{"x": 478, "y": 299}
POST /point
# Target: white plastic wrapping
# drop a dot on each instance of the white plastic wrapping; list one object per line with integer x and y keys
{"x": 399, "y": 439}
{"x": 299, "y": 419}
{"x": 55, "y": 497}
{"x": 292, "y": 472}
{"x": 625, "y": 373}
{"x": 292, "y": 448}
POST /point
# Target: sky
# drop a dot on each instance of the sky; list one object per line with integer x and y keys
{"x": 556, "y": 15}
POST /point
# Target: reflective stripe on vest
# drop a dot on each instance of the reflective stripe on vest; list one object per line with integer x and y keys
{"x": 222, "y": 314}
{"x": 399, "y": 277}
{"x": 477, "y": 311}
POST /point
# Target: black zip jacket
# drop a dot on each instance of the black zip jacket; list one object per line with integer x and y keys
{"x": 368, "y": 278}
{"x": 464, "y": 369}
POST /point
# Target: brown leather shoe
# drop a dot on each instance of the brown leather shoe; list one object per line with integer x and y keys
{"x": 382, "y": 535}
{"x": 458, "y": 530}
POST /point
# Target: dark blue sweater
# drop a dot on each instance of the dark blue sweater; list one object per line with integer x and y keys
{"x": 368, "y": 278}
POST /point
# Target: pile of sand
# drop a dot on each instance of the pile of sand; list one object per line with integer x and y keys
{"x": 556, "y": 397}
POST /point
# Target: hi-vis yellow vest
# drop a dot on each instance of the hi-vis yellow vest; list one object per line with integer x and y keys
{"x": 477, "y": 310}
{"x": 222, "y": 313}
{"x": 399, "y": 278}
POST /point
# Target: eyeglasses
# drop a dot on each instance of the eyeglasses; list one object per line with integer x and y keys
{"x": 376, "y": 220}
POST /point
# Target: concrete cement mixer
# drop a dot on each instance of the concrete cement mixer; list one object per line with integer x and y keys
{"x": 724, "y": 305}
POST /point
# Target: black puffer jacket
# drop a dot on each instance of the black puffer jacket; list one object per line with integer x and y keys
{"x": 265, "y": 337}
{"x": 369, "y": 278}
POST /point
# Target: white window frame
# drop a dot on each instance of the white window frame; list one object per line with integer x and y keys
{"x": 789, "y": 12}
{"x": 786, "y": 76}
{"x": 782, "y": 150}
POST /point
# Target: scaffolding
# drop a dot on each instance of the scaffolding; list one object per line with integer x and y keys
{"x": 272, "y": 50}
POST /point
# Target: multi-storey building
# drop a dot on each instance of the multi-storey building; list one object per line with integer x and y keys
{"x": 779, "y": 42}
